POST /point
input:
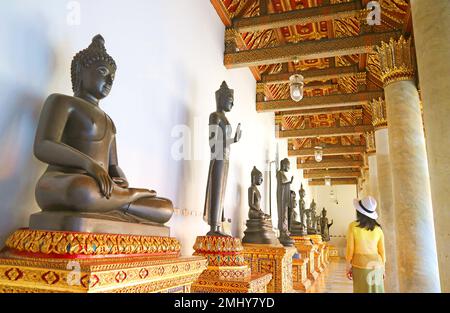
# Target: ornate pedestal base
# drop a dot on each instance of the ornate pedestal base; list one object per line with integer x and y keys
{"x": 307, "y": 251}
{"x": 273, "y": 259}
{"x": 260, "y": 231}
{"x": 51, "y": 261}
{"x": 227, "y": 270}
{"x": 333, "y": 253}
{"x": 319, "y": 255}
{"x": 300, "y": 274}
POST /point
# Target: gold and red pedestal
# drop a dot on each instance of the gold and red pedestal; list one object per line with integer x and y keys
{"x": 75, "y": 262}
{"x": 333, "y": 252}
{"x": 276, "y": 260}
{"x": 319, "y": 255}
{"x": 227, "y": 270}
{"x": 307, "y": 249}
{"x": 300, "y": 274}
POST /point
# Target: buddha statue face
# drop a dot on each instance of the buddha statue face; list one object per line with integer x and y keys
{"x": 257, "y": 178}
{"x": 224, "y": 98}
{"x": 293, "y": 199}
{"x": 302, "y": 191}
{"x": 97, "y": 79}
{"x": 285, "y": 165}
{"x": 324, "y": 212}
{"x": 93, "y": 70}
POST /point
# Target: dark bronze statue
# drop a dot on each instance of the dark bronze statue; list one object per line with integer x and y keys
{"x": 254, "y": 196}
{"x": 259, "y": 225}
{"x": 220, "y": 139}
{"x": 283, "y": 200}
{"x": 311, "y": 219}
{"x": 76, "y": 138}
{"x": 302, "y": 208}
{"x": 295, "y": 227}
{"x": 325, "y": 226}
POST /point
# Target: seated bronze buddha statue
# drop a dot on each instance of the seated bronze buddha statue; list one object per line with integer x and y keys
{"x": 76, "y": 138}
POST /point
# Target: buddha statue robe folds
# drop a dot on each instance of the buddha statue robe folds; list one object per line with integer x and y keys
{"x": 76, "y": 138}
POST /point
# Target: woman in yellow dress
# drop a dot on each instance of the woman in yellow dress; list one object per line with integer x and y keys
{"x": 365, "y": 249}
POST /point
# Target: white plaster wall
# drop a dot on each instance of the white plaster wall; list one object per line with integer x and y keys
{"x": 170, "y": 63}
{"x": 339, "y": 209}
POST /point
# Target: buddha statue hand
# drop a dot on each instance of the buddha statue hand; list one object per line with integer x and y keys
{"x": 121, "y": 182}
{"x": 238, "y": 134}
{"x": 102, "y": 178}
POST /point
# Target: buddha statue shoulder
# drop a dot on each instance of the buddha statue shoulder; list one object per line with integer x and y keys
{"x": 77, "y": 140}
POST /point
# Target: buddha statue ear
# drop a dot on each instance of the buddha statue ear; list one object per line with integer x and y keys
{"x": 76, "y": 80}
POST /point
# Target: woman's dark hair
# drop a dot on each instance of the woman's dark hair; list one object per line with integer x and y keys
{"x": 366, "y": 222}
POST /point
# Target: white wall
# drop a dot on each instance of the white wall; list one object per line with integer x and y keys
{"x": 339, "y": 209}
{"x": 170, "y": 63}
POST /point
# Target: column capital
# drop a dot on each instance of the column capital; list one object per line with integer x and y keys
{"x": 379, "y": 116}
{"x": 396, "y": 60}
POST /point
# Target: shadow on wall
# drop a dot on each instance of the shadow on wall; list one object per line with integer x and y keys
{"x": 26, "y": 64}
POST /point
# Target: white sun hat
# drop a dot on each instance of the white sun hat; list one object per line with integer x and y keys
{"x": 366, "y": 206}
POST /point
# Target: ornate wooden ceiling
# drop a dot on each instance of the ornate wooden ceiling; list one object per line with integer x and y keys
{"x": 331, "y": 45}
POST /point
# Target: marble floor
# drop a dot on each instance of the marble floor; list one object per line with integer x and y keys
{"x": 333, "y": 279}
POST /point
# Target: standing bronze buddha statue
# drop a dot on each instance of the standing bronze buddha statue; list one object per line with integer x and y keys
{"x": 220, "y": 140}
{"x": 283, "y": 200}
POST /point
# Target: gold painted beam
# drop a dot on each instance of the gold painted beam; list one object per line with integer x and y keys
{"x": 332, "y": 174}
{"x": 321, "y": 111}
{"x": 329, "y": 164}
{"x": 307, "y": 50}
{"x": 312, "y": 75}
{"x": 321, "y": 102}
{"x": 297, "y": 17}
{"x": 338, "y": 150}
{"x": 325, "y": 131}
{"x": 338, "y": 181}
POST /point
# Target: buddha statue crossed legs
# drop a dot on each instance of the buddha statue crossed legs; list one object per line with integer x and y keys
{"x": 77, "y": 140}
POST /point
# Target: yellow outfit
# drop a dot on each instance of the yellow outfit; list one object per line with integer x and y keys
{"x": 365, "y": 248}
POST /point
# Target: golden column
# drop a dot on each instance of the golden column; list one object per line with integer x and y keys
{"x": 432, "y": 38}
{"x": 416, "y": 245}
{"x": 386, "y": 203}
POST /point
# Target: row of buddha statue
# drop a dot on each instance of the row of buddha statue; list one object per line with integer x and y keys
{"x": 84, "y": 189}
{"x": 290, "y": 223}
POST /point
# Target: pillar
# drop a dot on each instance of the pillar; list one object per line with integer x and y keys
{"x": 386, "y": 201}
{"x": 432, "y": 39}
{"x": 416, "y": 245}
{"x": 372, "y": 189}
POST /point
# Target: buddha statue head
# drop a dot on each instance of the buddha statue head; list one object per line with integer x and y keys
{"x": 313, "y": 206}
{"x": 293, "y": 199}
{"x": 301, "y": 192}
{"x": 257, "y": 177}
{"x": 324, "y": 212}
{"x": 93, "y": 70}
{"x": 224, "y": 98}
{"x": 285, "y": 165}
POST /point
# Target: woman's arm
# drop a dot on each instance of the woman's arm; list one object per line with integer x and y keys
{"x": 349, "y": 251}
{"x": 380, "y": 247}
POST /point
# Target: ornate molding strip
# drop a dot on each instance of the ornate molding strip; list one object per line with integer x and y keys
{"x": 313, "y": 75}
{"x": 314, "y": 49}
{"x": 63, "y": 244}
{"x": 340, "y": 100}
{"x": 297, "y": 17}
{"x": 331, "y": 150}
